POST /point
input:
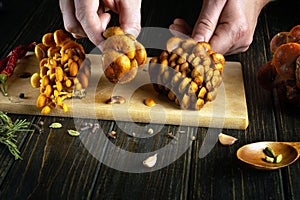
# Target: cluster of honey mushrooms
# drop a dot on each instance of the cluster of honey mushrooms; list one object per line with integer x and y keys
{"x": 122, "y": 55}
{"x": 64, "y": 71}
{"x": 188, "y": 72}
{"x": 282, "y": 71}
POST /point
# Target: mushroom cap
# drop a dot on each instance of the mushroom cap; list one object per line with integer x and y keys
{"x": 284, "y": 60}
{"x": 122, "y": 56}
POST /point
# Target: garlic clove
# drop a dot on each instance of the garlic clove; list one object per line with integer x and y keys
{"x": 150, "y": 161}
{"x": 226, "y": 139}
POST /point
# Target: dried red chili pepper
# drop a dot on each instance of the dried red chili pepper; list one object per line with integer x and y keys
{"x": 16, "y": 54}
{"x": 9, "y": 63}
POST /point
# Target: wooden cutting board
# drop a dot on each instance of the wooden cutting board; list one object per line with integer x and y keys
{"x": 228, "y": 110}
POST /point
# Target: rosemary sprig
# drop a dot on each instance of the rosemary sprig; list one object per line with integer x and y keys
{"x": 8, "y": 131}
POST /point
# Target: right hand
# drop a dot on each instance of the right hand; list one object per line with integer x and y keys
{"x": 228, "y": 25}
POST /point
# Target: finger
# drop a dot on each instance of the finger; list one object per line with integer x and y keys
{"x": 208, "y": 20}
{"x": 110, "y": 5}
{"x": 87, "y": 14}
{"x": 177, "y": 30}
{"x": 235, "y": 50}
{"x": 229, "y": 39}
{"x": 77, "y": 36}
{"x": 180, "y": 26}
{"x": 130, "y": 18}
{"x": 70, "y": 22}
{"x": 238, "y": 48}
{"x": 104, "y": 18}
{"x": 184, "y": 24}
{"x": 217, "y": 41}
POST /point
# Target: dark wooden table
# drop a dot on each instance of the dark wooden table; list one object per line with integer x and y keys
{"x": 58, "y": 166}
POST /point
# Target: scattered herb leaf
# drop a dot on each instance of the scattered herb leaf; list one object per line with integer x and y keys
{"x": 150, "y": 131}
{"x": 73, "y": 133}
{"x": 55, "y": 125}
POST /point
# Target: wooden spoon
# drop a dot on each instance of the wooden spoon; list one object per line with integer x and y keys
{"x": 253, "y": 155}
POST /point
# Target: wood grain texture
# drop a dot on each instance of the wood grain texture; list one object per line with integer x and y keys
{"x": 59, "y": 169}
{"x": 286, "y": 116}
{"x": 169, "y": 182}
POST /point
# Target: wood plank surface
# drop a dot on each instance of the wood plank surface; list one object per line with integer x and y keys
{"x": 228, "y": 110}
{"x": 287, "y": 116}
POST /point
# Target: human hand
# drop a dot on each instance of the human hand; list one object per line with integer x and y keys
{"x": 227, "y": 25}
{"x": 87, "y": 19}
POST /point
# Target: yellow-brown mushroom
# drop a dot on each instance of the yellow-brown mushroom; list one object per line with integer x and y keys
{"x": 188, "y": 72}
{"x": 122, "y": 56}
{"x": 63, "y": 69}
{"x": 282, "y": 72}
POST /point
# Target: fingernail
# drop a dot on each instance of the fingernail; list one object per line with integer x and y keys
{"x": 172, "y": 27}
{"x": 199, "y": 38}
{"x": 132, "y": 31}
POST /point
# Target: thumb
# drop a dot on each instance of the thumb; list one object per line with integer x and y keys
{"x": 208, "y": 19}
{"x": 130, "y": 18}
